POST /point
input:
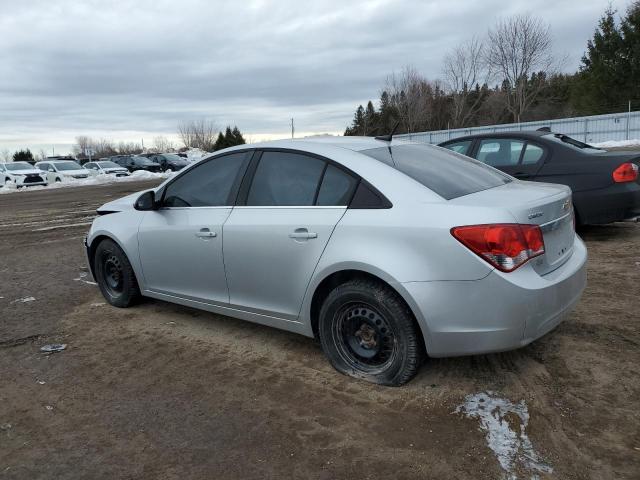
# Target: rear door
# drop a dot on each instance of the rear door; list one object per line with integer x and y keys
{"x": 180, "y": 244}
{"x": 288, "y": 208}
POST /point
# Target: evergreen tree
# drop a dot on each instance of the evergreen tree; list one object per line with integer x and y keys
{"x": 370, "y": 120}
{"x": 601, "y": 85}
{"x": 238, "y": 139}
{"x": 23, "y": 156}
{"x": 220, "y": 142}
{"x": 230, "y": 138}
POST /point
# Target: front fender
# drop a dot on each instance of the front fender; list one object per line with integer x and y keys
{"x": 122, "y": 228}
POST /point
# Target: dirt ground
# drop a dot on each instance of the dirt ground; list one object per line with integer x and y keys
{"x": 161, "y": 391}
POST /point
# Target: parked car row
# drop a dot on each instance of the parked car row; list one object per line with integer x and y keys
{"x": 60, "y": 169}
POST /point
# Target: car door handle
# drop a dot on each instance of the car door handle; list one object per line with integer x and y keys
{"x": 302, "y": 234}
{"x": 206, "y": 233}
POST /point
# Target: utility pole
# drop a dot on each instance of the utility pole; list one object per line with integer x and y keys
{"x": 292, "y": 128}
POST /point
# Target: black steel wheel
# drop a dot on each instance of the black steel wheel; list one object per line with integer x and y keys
{"x": 114, "y": 274}
{"x": 364, "y": 337}
{"x": 368, "y": 332}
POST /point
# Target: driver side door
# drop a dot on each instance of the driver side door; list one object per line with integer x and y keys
{"x": 180, "y": 244}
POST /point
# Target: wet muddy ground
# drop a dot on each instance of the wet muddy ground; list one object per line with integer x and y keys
{"x": 161, "y": 391}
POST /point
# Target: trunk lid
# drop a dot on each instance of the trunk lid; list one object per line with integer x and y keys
{"x": 533, "y": 203}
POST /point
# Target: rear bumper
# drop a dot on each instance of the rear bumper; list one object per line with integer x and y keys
{"x": 499, "y": 312}
{"x": 612, "y": 204}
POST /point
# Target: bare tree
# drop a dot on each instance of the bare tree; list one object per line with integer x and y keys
{"x": 520, "y": 46}
{"x": 162, "y": 144}
{"x": 464, "y": 68}
{"x": 200, "y": 134}
{"x": 41, "y": 155}
{"x": 129, "y": 148}
{"x": 418, "y": 103}
{"x": 5, "y": 155}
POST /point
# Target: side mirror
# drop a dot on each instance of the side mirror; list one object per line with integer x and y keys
{"x": 146, "y": 201}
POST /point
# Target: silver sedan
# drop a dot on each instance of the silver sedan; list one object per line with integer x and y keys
{"x": 387, "y": 252}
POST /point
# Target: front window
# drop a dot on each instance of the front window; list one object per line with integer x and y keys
{"x": 459, "y": 147}
{"x": 446, "y": 173}
{"x": 66, "y": 166}
{"x": 209, "y": 184}
{"x": 109, "y": 165}
{"x": 15, "y": 166}
{"x": 143, "y": 161}
{"x": 170, "y": 157}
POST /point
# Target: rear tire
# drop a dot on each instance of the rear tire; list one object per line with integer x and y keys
{"x": 368, "y": 332}
{"x": 114, "y": 275}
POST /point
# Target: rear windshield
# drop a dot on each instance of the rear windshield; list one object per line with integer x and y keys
{"x": 446, "y": 173}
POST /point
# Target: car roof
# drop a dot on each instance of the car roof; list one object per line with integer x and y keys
{"x": 511, "y": 134}
{"x": 58, "y": 161}
{"x": 355, "y": 144}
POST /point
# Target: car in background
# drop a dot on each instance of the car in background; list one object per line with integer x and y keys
{"x": 605, "y": 185}
{"x": 106, "y": 167}
{"x": 22, "y": 174}
{"x": 62, "y": 170}
{"x": 385, "y": 252}
{"x": 135, "y": 163}
{"x": 170, "y": 161}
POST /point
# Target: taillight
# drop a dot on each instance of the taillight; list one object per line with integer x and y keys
{"x": 506, "y": 246}
{"x": 627, "y": 172}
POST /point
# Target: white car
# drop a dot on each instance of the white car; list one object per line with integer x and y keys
{"x": 21, "y": 174}
{"x": 106, "y": 167}
{"x": 62, "y": 170}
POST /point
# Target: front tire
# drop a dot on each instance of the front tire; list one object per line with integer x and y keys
{"x": 114, "y": 275}
{"x": 367, "y": 331}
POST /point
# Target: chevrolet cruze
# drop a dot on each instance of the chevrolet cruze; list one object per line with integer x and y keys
{"x": 386, "y": 252}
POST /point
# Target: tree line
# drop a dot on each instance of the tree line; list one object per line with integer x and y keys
{"x": 512, "y": 75}
{"x": 200, "y": 134}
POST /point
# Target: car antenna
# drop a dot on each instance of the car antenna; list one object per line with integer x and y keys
{"x": 388, "y": 137}
{"x": 544, "y": 129}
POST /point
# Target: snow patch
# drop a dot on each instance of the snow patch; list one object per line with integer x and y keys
{"x": 195, "y": 154}
{"x": 136, "y": 176}
{"x": 24, "y": 300}
{"x": 618, "y": 144}
{"x": 82, "y": 277}
{"x": 508, "y": 441}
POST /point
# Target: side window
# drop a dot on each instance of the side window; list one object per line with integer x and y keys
{"x": 459, "y": 147}
{"x": 207, "y": 185}
{"x": 337, "y": 187}
{"x": 44, "y": 167}
{"x": 532, "y": 154}
{"x": 500, "y": 152}
{"x": 285, "y": 179}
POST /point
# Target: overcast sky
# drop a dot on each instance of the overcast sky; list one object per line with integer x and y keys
{"x": 127, "y": 70}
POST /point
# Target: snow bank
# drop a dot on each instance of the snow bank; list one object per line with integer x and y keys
{"x": 618, "y": 144}
{"x": 505, "y": 424}
{"x": 137, "y": 176}
{"x": 195, "y": 154}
